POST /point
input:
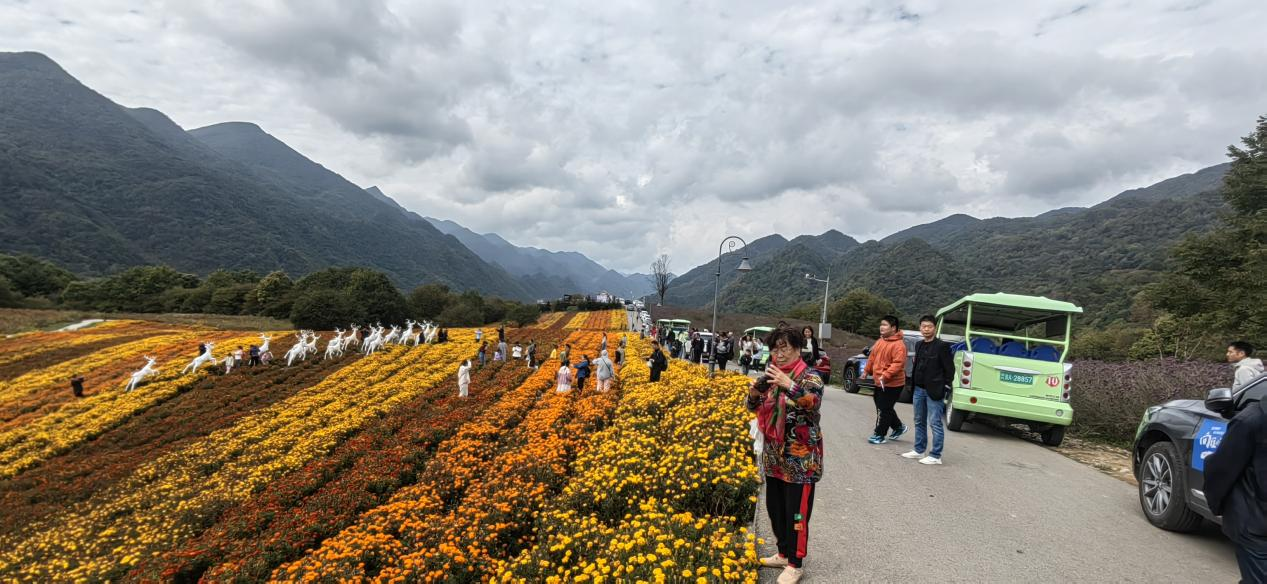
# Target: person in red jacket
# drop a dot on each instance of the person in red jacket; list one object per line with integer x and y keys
{"x": 887, "y": 365}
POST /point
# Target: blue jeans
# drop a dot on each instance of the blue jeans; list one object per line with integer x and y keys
{"x": 933, "y": 410}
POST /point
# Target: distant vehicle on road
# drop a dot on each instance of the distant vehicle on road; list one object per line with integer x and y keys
{"x": 760, "y": 359}
{"x": 1168, "y": 457}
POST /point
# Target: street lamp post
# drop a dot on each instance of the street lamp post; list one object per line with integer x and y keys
{"x": 824, "y": 331}
{"x": 743, "y": 267}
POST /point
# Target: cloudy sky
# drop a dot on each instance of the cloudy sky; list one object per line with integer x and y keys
{"x": 627, "y": 129}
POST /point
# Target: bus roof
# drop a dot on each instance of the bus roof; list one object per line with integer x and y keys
{"x": 1006, "y": 311}
{"x": 763, "y": 329}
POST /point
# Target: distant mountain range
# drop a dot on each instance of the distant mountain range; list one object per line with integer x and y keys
{"x": 1098, "y": 257}
{"x": 98, "y": 187}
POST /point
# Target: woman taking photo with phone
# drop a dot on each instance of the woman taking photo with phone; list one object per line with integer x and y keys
{"x": 786, "y": 399}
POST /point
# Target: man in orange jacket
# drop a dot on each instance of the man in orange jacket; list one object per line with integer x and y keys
{"x": 887, "y": 365}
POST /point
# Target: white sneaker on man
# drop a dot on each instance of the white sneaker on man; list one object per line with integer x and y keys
{"x": 929, "y": 460}
{"x": 790, "y": 575}
{"x": 912, "y": 454}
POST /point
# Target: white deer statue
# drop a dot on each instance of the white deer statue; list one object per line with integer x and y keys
{"x": 375, "y": 342}
{"x": 140, "y": 375}
{"x": 432, "y": 331}
{"x": 264, "y": 340}
{"x": 334, "y": 348}
{"x": 351, "y": 340}
{"x": 198, "y": 361}
{"x": 408, "y": 335}
{"x": 310, "y": 347}
{"x": 391, "y": 336}
{"x": 297, "y": 349}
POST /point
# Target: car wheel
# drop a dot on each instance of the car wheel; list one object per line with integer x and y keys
{"x": 851, "y": 379}
{"x": 1161, "y": 490}
{"x": 1053, "y": 436}
{"x": 955, "y": 418}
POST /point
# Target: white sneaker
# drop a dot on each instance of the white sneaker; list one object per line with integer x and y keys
{"x": 929, "y": 460}
{"x": 912, "y": 454}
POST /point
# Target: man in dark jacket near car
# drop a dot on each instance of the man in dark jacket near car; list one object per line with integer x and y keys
{"x": 1235, "y": 474}
{"x": 931, "y": 374}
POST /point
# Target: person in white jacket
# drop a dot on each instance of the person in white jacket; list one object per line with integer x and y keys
{"x": 464, "y": 378}
{"x": 1245, "y": 367}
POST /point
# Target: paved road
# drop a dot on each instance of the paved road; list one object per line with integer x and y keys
{"x": 1000, "y": 509}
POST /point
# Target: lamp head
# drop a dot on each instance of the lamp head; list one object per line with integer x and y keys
{"x": 744, "y": 266}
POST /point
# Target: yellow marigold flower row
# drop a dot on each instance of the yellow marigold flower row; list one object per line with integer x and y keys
{"x": 30, "y": 344}
{"x": 475, "y": 497}
{"x": 171, "y": 498}
{"x": 34, "y": 381}
{"x": 675, "y": 449}
{"x": 82, "y": 420}
{"x": 549, "y": 320}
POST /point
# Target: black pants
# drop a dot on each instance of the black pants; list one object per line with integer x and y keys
{"x": 655, "y": 375}
{"x": 721, "y": 364}
{"x": 580, "y": 383}
{"x": 789, "y": 506}
{"x": 255, "y": 360}
{"x": 1253, "y": 565}
{"x": 885, "y": 415}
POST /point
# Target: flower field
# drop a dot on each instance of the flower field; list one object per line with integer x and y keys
{"x": 371, "y": 467}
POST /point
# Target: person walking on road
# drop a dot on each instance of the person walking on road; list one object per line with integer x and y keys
{"x": 1244, "y": 367}
{"x": 604, "y": 371}
{"x": 931, "y": 373}
{"x": 786, "y": 399}
{"x": 723, "y": 351}
{"x": 1236, "y": 488}
{"x": 697, "y": 347}
{"x": 464, "y": 378}
{"x": 887, "y": 365}
{"x": 657, "y": 363}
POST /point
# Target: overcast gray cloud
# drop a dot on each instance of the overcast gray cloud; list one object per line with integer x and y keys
{"x": 623, "y": 130}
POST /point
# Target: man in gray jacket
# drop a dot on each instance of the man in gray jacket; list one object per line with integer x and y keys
{"x": 605, "y": 371}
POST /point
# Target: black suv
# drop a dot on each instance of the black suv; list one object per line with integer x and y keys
{"x": 1170, "y": 449}
{"x": 854, "y": 381}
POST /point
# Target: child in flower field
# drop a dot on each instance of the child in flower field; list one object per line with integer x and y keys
{"x": 517, "y": 353}
{"x": 483, "y": 354}
{"x": 565, "y": 379}
{"x": 464, "y": 378}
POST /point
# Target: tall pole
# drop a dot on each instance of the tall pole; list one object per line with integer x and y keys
{"x": 712, "y": 360}
{"x": 825, "y": 291}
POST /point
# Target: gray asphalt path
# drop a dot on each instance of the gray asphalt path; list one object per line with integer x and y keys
{"x": 1001, "y": 509}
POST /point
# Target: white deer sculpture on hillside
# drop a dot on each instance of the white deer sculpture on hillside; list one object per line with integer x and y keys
{"x": 264, "y": 340}
{"x": 334, "y": 348}
{"x": 375, "y": 342}
{"x": 351, "y": 340}
{"x": 310, "y": 347}
{"x": 198, "y": 361}
{"x": 297, "y": 349}
{"x": 431, "y": 331}
{"x": 408, "y": 335}
{"x": 391, "y": 336}
{"x": 140, "y": 375}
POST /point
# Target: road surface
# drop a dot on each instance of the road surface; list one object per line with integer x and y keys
{"x": 1001, "y": 509}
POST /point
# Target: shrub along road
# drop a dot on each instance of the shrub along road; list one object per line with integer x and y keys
{"x": 1000, "y": 509}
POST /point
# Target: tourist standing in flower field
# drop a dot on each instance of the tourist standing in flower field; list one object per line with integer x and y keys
{"x": 1244, "y": 368}
{"x": 563, "y": 355}
{"x": 604, "y": 370}
{"x": 786, "y": 399}
{"x": 531, "y": 353}
{"x": 931, "y": 373}
{"x": 619, "y": 360}
{"x": 464, "y": 378}
{"x": 657, "y": 363}
{"x": 255, "y": 356}
{"x": 483, "y": 354}
{"x": 582, "y": 372}
{"x": 77, "y": 385}
{"x": 602, "y": 345}
{"x": 502, "y": 349}
{"x": 564, "y": 378}
{"x": 517, "y": 353}
{"x": 887, "y": 365}
{"x": 479, "y": 335}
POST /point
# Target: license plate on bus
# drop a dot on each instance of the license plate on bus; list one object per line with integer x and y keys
{"x": 1021, "y": 378}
